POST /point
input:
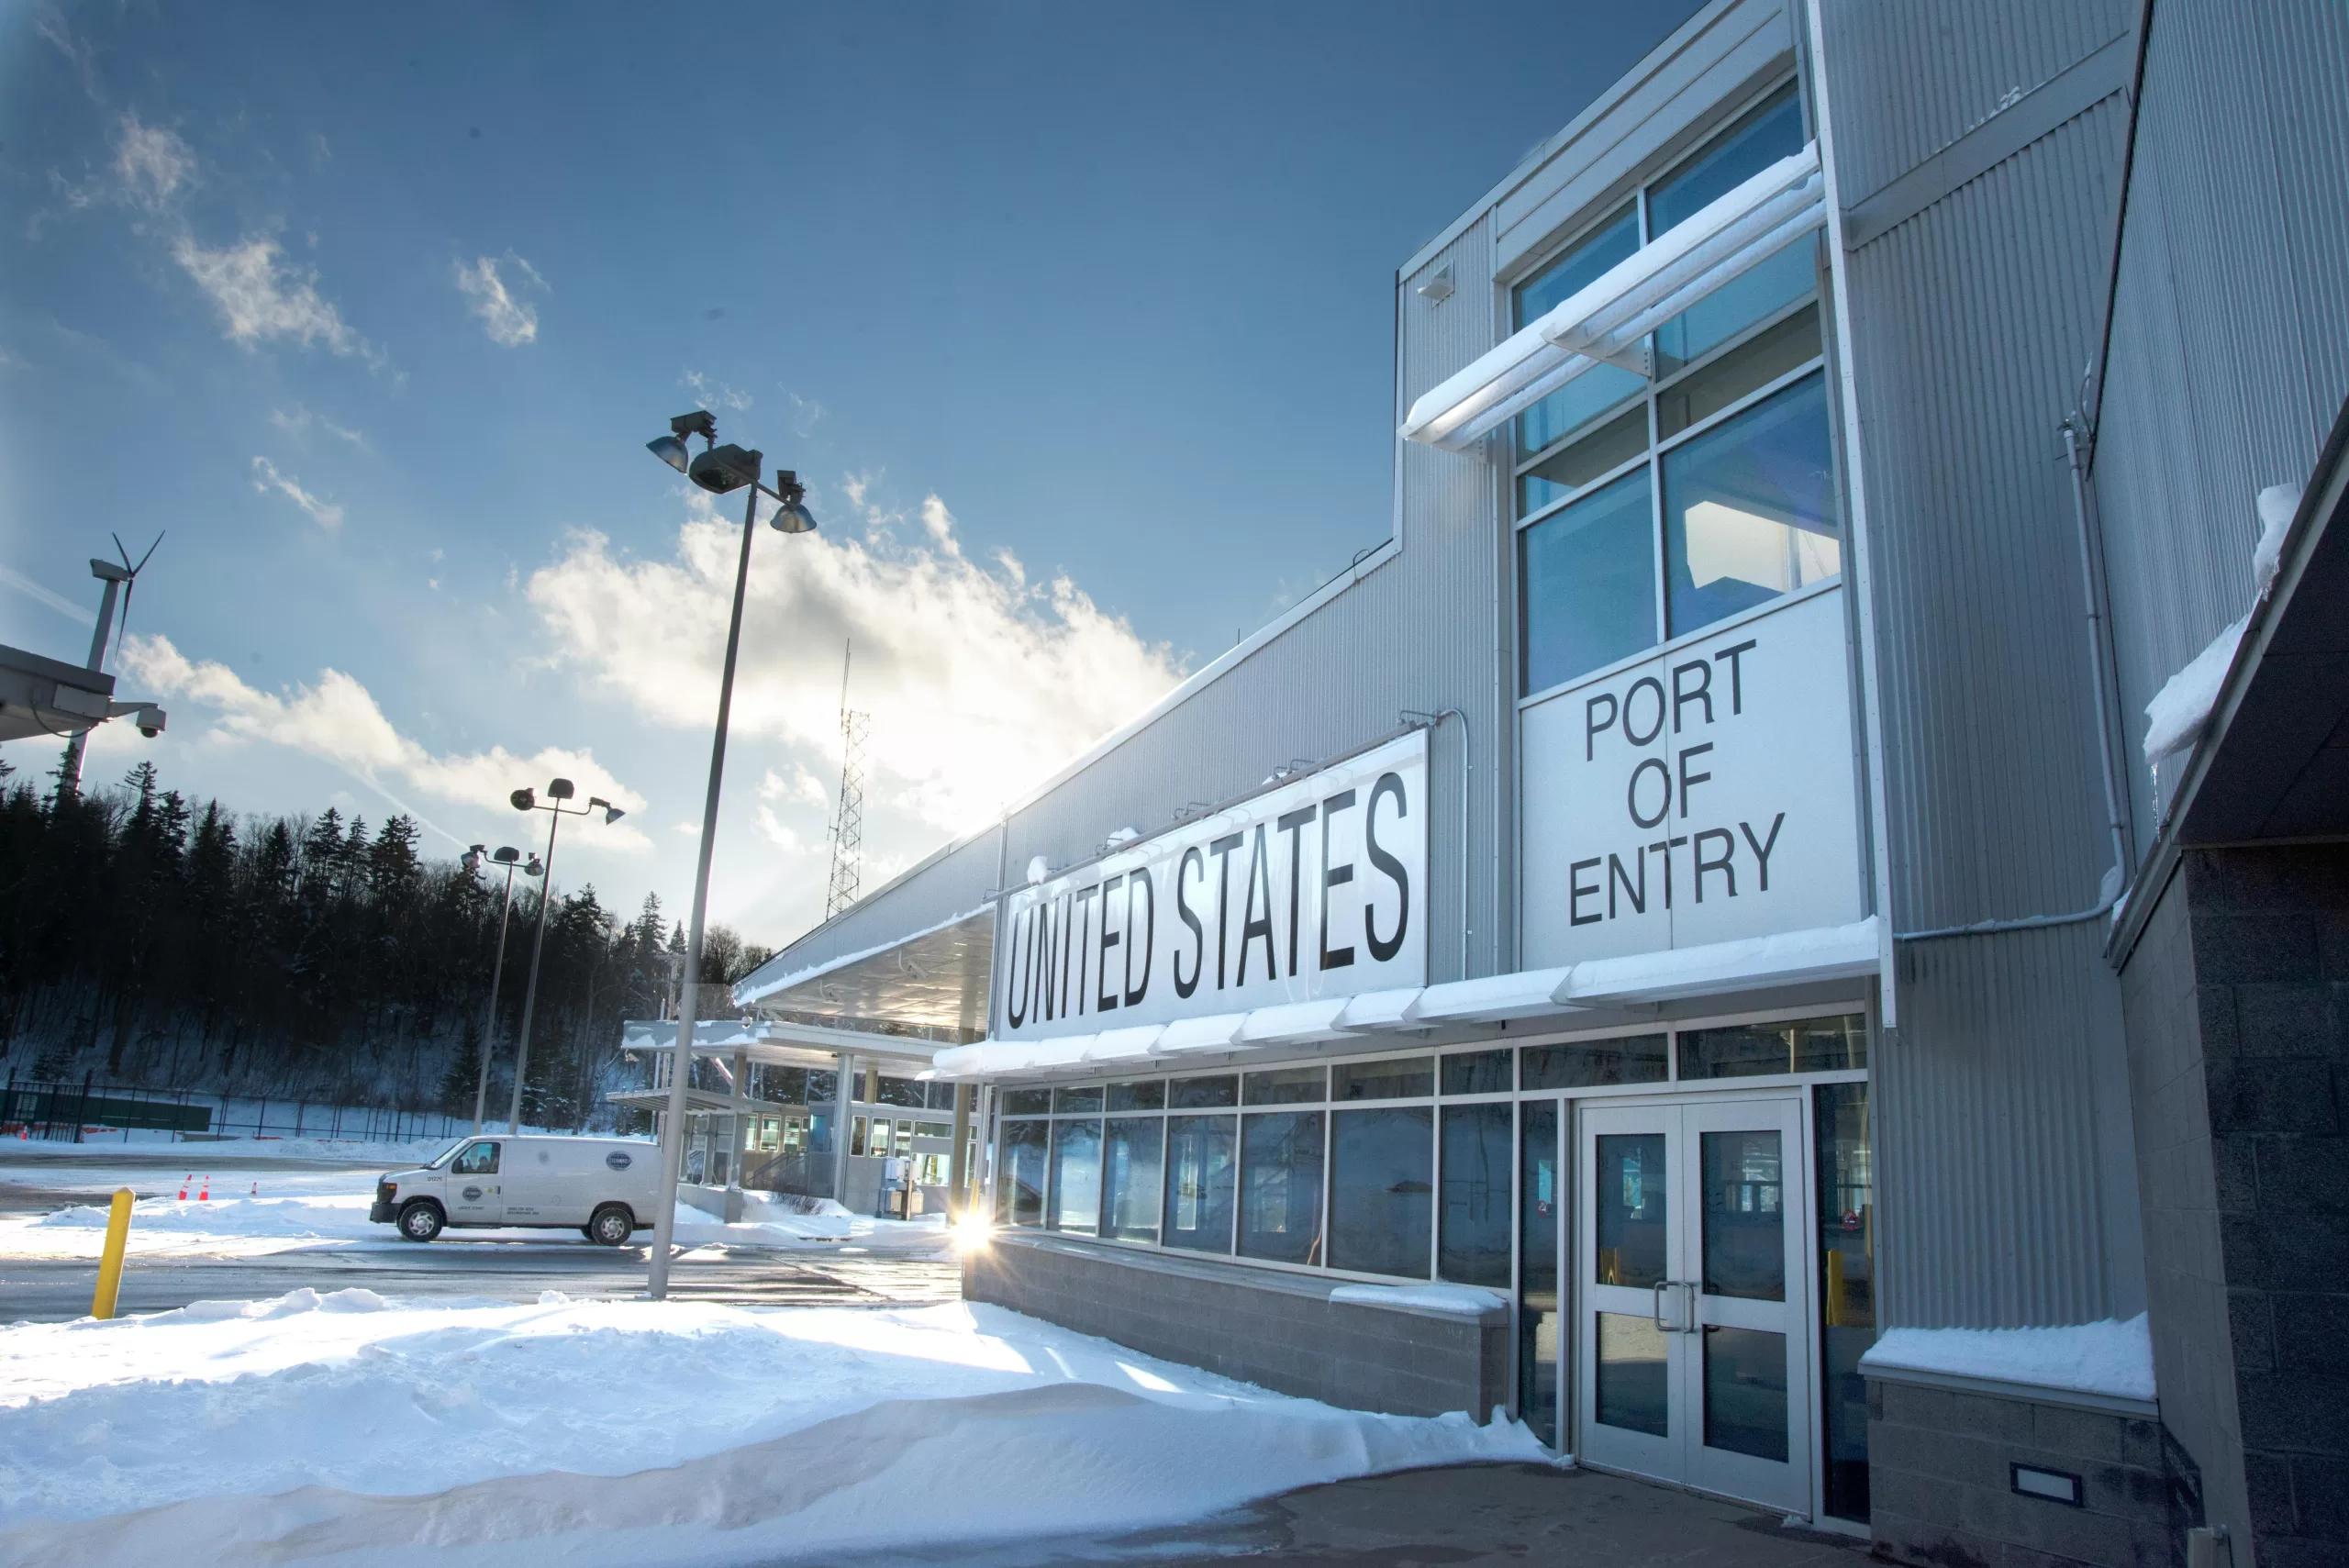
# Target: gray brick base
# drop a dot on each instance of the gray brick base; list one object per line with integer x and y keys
{"x": 1275, "y": 1330}
{"x": 1942, "y": 1492}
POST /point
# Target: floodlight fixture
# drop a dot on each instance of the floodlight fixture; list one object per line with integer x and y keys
{"x": 669, "y": 449}
{"x": 560, "y": 789}
{"x": 611, "y": 813}
{"x": 506, "y": 855}
{"x": 524, "y": 799}
{"x": 724, "y": 469}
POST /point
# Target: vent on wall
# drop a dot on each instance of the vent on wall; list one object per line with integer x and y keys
{"x": 1437, "y": 288}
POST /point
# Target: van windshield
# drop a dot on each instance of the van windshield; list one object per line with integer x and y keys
{"x": 447, "y": 1154}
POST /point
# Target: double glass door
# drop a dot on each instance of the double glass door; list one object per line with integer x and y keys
{"x": 1692, "y": 1306}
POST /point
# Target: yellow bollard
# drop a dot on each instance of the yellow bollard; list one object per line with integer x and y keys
{"x": 110, "y": 1264}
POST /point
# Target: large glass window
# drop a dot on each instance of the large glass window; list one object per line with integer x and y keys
{"x": 1076, "y": 1175}
{"x": 1199, "y": 1182}
{"x": 1019, "y": 1192}
{"x": 1591, "y": 1064}
{"x": 1749, "y": 508}
{"x": 1836, "y": 1043}
{"x": 1847, "y": 1288}
{"x": 1587, "y": 582}
{"x": 1132, "y": 1152}
{"x": 1406, "y": 1079}
{"x": 1280, "y": 1186}
{"x": 1541, "y": 1198}
{"x": 1623, "y": 479}
{"x": 1473, "y": 1246}
{"x": 1382, "y": 1189}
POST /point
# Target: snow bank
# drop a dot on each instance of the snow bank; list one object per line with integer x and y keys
{"x": 349, "y": 1428}
{"x": 1465, "y": 1300}
{"x": 2113, "y": 1357}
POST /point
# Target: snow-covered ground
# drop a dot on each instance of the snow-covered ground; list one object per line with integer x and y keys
{"x": 347, "y": 1428}
{"x": 263, "y": 1208}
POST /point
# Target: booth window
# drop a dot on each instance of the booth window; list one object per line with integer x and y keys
{"x": 1199, "y": 1182}
{"x": 1020, "y": 1196}
{"x": 1473, "y": 1246}
{"x": 1280, "y": 1186}
{"x": 1076, "y": 1175}
{"x": 1132, "y": 1158}
{"x": 1382, "y": 1189}
{"x": 1651, "y": 506}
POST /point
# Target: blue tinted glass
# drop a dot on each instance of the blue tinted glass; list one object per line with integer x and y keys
{"x": 1280, "y": 1186}
{"x": 1780, "y": 281}
{"x": 1381, "y": 1190}
{"x": 1749, "y": 510}
{"x": 1587, "y": 577}
{"x": 1770, "y": 131}
{"x": 1199, "y": 1182}
{"x": 1471, "y": 1248}
{"x": 1577, "y": 402}
{"x": 1579, "y": 268}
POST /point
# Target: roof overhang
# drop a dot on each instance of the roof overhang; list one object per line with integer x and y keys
{"x": 1605, "y": 322}
{"x": 934, "y": 979}
{"x": 776, "y": 1042}
{"x": 1592, "y": 992}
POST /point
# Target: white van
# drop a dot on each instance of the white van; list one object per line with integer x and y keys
{"x": 607, "y": 1188}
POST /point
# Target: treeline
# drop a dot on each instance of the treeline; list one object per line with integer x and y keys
{"x": 147, "y": 940}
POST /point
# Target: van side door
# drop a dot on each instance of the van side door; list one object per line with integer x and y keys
{"x": 476, "y": 1187}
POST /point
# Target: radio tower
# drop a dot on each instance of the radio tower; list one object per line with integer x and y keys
{"x": 848, "y": 831}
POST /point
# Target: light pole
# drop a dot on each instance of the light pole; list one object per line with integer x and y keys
{"x": 720, "y": 471}
{"x": 558, "y": 791}
{"x": 508, "y": 857}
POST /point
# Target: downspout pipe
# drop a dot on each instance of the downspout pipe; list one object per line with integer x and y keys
{"x": 2117, "y": 880}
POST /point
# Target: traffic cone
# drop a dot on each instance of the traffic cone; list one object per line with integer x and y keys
{"x": 256, "y": 1191}
{"x": 206, "y": 1195}
{"x": 184, "y": 1182}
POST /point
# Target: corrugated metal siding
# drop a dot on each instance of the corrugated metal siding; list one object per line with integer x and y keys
{"x": 1972, "y": 324}
{"x": 2003, "y": 1148}
{"x": 1923, "y": 75}
{"x": 2230, "y": 354}
{"x": 2004, "y": 1151}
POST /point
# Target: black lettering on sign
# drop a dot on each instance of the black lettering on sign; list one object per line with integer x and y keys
{"x": 1592, "y": 724}
{"x": 1138, "y": 880}
{"x": 1191, "y": 857}
{"x": 1083, "y": 930}
{"x": 1014, "y": 995}
{"x": 1252, "y": 925}
{"x": 1687, "y": 778}
{"x": 1293, "y": 823}
{"x": 1654, "y": 687}
{"x": 1044, "y": 967}
{"x": 1221, "y": 849}
{"x": 1070, "y": 951}
{"x": 1736, "y": 677}
{"x": 1631, "y": 792}
{"x": 1636, "y": 897}
{"x": 1333, "y": 876}
{"x": 1722, "y": 865}
{"x": 1576, "y": 891}
{"x": 1105, "y": 994}
{"x": 1383, "y": 950}
{"x": 1664, "y": 847}
{"x": 1762, "y": 848}
{"x": 1682, "y": 695}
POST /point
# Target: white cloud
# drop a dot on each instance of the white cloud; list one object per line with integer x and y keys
{"x": 979, "y": 684}
{"x": 712, "y": 393}
{"x": 151, "y": 164}
{"x": 508, "y": 320}
{"x": 298, "y": 423}
{"x": 259, "y": 298}
{"x": 337, "y": 721}
{"x": 47, "y": 596}
{"x": 266, "y": 478}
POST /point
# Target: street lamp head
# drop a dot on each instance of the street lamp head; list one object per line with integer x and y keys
{"x": 723, "y": 469}
{"x": 524, "y": 799}
{"x": 560, "y": 789}
{"x": 535, "y": 867}
{"x": 611, "y": 813}
{"x": 506, "y": 855}
{"x": 671, "y": 451}
{"x": 470, "y": 859}
{"x": 793, "y": 516}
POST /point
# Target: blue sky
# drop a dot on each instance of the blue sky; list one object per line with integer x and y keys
{"x": 1077, "y": 322}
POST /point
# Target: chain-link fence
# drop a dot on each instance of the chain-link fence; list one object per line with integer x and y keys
{"x": 92, "y": 1112}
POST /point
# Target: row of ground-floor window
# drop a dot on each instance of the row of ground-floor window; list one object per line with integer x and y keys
{"x": 1681, "y": 1220}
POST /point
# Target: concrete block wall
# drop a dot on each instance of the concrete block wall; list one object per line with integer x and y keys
{"x": 1279, "y": 1330}
{"x": 1941, "y": 1491}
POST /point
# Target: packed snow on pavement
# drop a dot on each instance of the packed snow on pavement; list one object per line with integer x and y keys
{"x": 260, "y": 1208}
{"x": 349, "y": 1428}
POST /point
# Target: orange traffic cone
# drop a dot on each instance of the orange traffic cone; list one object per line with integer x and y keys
{"x": 184, "y": 1182}
{"x": 206, "y": 1195}
{"x": 256, "y": 1191}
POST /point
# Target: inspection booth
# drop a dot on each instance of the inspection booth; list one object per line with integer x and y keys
{"x": 1643, "y": 931}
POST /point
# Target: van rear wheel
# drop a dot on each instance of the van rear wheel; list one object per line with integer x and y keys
{"x": 420, "y": 1221}
{"x": 612, "y": 1225}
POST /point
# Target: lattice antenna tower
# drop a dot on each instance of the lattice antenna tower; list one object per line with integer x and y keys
{"x": 847, "y": 829}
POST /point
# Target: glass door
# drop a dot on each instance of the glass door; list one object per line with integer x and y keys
{"x": 1693, "y": 1301}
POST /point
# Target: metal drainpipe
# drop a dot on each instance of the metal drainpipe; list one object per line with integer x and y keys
{"x": 2123, "y": 870}
{"x": 1467, "y": 768}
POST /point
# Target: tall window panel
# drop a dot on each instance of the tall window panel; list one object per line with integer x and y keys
{"x": 1473, "y": 1245}
{"x": 1280, "y": 1186}
{"x": 1133, "y": 1160}
{"x": 1382, "y": 1189}
{"x": 1201, "y": 1176}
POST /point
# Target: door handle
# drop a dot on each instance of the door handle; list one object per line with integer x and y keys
{"x": 1656, "y": 1296}
{"x": 1688, "y": 1324}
